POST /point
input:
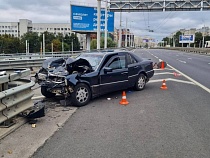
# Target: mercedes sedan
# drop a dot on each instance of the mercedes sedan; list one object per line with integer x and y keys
{"x": 93, "y": 74}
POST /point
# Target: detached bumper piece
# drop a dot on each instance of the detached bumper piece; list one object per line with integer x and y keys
{"x": 37, "y": 111}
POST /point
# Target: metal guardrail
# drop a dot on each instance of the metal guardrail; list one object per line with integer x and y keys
{"x": 15, "y": 93}
{"x": 24, "y": 63}
{"x": 38, "y": 55}
{"x": 20, "y": 63}
{"x": 204, "y": 51}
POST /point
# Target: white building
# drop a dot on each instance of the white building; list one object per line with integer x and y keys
{"x": 16, "y": 29}
{"x": 55, "y": 28}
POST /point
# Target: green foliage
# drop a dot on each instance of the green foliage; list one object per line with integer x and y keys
{"x": 197, "y": 43}
{"x": 110, "y": 43}
{"x": 93, "y": 44}
{"x": 10, "y": 44}
{"x": 33, "y": 40}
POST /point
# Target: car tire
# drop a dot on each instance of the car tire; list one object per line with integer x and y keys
{"x": 140, "y": 83}
{"x": 81, "y": 95}
{"x": 46, "y": 93}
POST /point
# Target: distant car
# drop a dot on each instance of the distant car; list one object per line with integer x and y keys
{"x": 93, "y": 74}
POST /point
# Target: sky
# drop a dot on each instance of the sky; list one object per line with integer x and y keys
{"x": 54, "y": 11}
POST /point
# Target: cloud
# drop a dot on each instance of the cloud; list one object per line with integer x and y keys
{"x": 54, "y": 11}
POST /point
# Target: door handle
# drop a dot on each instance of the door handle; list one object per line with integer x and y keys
{"x": 124, "y": 73}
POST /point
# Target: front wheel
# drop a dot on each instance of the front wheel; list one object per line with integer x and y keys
{"x": 81, "y": 95}
{"x": 140, "y": 83}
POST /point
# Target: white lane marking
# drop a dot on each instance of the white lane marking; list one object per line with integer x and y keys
{"x": 194, "y": 81}
{"x": 171, "y": 79}
{"x": 177, "y": 55}
{"x": 181, "y": 61}
{"x": 155, "y": 56}
{"x": 162, "y": 69}
{"x": 190, "y": 58}
{"x": 164, "y": 73}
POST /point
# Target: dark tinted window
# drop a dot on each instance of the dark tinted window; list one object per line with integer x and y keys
{"x": 118, "y": 63}
{"x": 131, "y": 59}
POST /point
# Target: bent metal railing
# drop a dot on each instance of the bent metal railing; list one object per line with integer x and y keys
{"x": 15, "y": 93}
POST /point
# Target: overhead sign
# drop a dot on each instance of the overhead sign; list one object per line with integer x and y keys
{"x": 84, "y": 19}
{"x": 186, "y": 39}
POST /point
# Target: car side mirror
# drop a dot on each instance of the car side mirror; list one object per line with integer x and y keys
{"x": 107, "y": 69}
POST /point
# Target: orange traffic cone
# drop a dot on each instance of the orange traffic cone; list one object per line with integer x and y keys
{"x": 164, "y": 87}
{"x": 162, "y": 65}
{"x": 124, "y": 100}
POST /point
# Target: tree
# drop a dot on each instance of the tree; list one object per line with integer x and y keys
{"x": 198, "y": 39}
{"x": 93, "y": 44}
{"x": 56, "y": 45}
{"x": 176, "y": 39}
{"x": 49, "y": 37}
{"x": 166, "y": 41}
{"x": 110, "y": 43}
{"x": 33, "y": 40}
{"x": 9, "y": 44}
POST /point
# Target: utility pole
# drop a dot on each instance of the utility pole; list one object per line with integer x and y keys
{"x": 98, "y": 23}
{"x": 105, "y": 30}
{"x": 182, "y": 38}
{"x": 43, "y": 44}
{"x": 126, "y": 40}
{"x": 72, "y": 47}
{"x": 62, "y": 46}
{"x": 120, "y": 31}
{"x": 52, "y": 47}
{"x": 203, "y": 37}
{"x": 26, "y": 46}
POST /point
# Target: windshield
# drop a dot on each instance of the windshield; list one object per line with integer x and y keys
{"x": 93, "y": 59}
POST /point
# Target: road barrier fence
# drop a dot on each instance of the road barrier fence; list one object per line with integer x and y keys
{"x": 15, "y": 93}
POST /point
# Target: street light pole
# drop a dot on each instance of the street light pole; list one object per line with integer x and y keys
{"x": 105, "y": 30}
{"x": 182, "y": 38}
{"x": 72, "y": 47}
{"x": 98, "y": 23}
{"x": 126, "y": 40}
{"x": 120, "y": 32}
{"x": 62, "y": 46}
{"x": 43, "y": 44}
{"x": 26, "y": 46}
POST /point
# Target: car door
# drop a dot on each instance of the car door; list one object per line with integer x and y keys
{"x": 117, "y": 77}
{"x": 134, "y": 68}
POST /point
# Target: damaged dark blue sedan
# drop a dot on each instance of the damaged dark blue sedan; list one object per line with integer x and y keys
{"x": 93, "y": 74}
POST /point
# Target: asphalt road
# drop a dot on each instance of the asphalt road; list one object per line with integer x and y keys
{"x": 156, "y": 123}
{"x": 194, "y": 65}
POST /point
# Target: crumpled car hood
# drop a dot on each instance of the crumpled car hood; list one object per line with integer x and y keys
{"x": 52, "y": 62}
{"x": 79, "y": 66}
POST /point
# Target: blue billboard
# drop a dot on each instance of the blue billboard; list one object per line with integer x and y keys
{"x": 84, "y": 19}
{"x": 186, "y": 39}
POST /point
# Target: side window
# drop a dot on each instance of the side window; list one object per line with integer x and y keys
{"x": 131, "y": 60}
{"x": 117, "y": 63}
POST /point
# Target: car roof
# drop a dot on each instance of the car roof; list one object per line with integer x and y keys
{"x": 106, "y": 51}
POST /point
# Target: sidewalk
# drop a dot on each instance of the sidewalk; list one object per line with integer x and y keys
{"x": 25, "y": 140}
